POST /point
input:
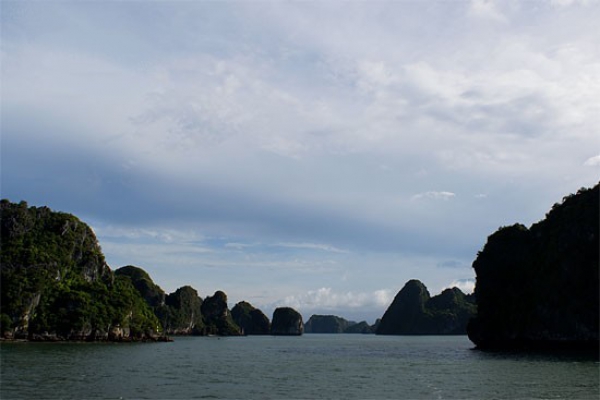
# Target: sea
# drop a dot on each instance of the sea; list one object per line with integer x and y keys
{"x": 312, "y": 366}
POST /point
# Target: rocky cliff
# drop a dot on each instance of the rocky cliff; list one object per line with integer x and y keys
{"x": 360, "y": 327}
{"x": 251, "y": 321}
{"x": 539, "y": 287}
{"x": 183, "y": 312}
{"x": 217, "y": 317}
{"x": 334, "y": 324}
{"x": 286, "y": 322}
{"x": 150, "y": 291}
{"x": 325, "y": 324}
{"x": 56, "y": 284}
{"x": 415, "y": 312}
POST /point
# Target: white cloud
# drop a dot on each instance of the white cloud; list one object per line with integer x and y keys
{"x": 567, "y": 3}
{"x": 240, "y": 246}
{"x": 312, "y": 246}
{"x": 141, "y": 235}
{"x": 291, "y": 130}
{"x": 487, "y": 9}
{"x": 465, "y": 285}
{"x": 451, "y": 264}
{"x": 435, "y": 195}
{"x": 326, "y": 298}
{"x": 593, "y": 161}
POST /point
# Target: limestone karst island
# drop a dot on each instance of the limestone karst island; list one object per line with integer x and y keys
{"x": 537, "y": 287}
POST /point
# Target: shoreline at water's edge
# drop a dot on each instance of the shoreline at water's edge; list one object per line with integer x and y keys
{"x": 159, "y": 339}
{"x": 582, "y": 348}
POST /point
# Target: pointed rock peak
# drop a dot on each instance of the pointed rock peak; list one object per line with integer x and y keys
{"x": 220, "y": 295}
{"x": 414, "y": 289}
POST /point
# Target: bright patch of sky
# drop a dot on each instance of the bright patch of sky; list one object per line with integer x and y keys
{"x": 319, "y": 154}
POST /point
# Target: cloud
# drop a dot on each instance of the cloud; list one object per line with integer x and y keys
{"x": 451, "y": 264}
{"x": 286, "y": 245}
{"x": 466, "y": 285}
{"x": 326, "y": 298}
{"x": 312, "y": 246}
{"x": 486, "y": 9}
{"x": 434, "y": 195}
{"x": 568, "y": 3}
{"x": 593, "y": 161}
{"x": 279, "y": 137}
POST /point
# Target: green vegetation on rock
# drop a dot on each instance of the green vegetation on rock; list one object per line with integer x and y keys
{"x": 414, "y": 312}
{"x": 325, "y": 324}
{"x": 217, "y": 317}
{"x": 334, "y": 324}
{"x": 56, "y": 284}
{"x": 286, "y": 322}
{"x": 251, "y": 321}
{"x": 183, "y": 312}
{"x": 151, "y": 292}
{"x": 360, "y": 327}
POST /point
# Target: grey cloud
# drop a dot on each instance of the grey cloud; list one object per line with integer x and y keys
{"x": 293, "y": 130}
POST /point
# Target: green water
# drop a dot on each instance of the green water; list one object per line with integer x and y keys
{"x": 306, "y": 367}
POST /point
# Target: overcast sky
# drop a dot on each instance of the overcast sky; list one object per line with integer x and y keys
{"x": 309, "y": 154}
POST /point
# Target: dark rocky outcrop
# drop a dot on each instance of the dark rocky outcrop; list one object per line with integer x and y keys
{"x": 539, "y": 287}
{"x": 182, "y": 314}
{"x": 150, "y": 291}
{"x": 414, "y": 312}
{"x": 251, "y": 321}
{"x": 360, "y": 327}
{"x": 334, "y": 324}
{"x": 286, "y": 322}
{"x": 217, "y": 317}
{"x": 325, "y": 324}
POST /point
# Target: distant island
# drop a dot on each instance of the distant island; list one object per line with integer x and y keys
{"x": 334, "y": 324}
{"x": 415, "y": 312}
{"x": 536, "y": 288}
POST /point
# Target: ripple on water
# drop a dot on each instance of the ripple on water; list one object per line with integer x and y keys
{"x": 311, "y": 366}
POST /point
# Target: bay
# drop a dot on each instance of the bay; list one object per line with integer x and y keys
{"x": 305, "y": 367}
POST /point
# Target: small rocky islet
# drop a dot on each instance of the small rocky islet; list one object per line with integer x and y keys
{"x": 536, "y": 287}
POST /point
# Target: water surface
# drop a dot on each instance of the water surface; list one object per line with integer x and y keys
{"x": 305, "y": 367}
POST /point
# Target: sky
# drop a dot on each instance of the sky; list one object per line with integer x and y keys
{"x": 316, "y": 155}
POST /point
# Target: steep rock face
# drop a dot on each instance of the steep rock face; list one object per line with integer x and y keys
{"x": 539, "y": 287}
{"x": 408, "y": 308}
{"x": 56, "y": 284}
{"x": 183, "y": 312}
{"x": 361, "y": 327}
{"x": 414, "y": 312}
{"x": 150, "y": 291}
{"x": 451, "y": 311}
{"x": 325, "y": 324}
{"x": 217, "y": 317}
{"x": 287, "y": 322}
{"x": 251, "y": 321}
